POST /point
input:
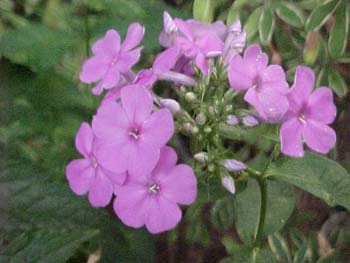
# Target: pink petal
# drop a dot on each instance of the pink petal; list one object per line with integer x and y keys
{"x": 291, "y": 140}
{"x": 166, "y": 60}
{"x": 133, "y": 37}
{"x": 201, "y": 63}
{"x": 111, "y": 123}
{"x": 142, "y": 158}
{"x": 274, "y": 78}
{"x": 179, "y": 185}
{"x": 318, "y": 136}
{"x": 112, "y": 157}
{"x": 115, "y": 178}
{"x": 184, "y": 28}
{"x": 163, "y": 215}
{"x": 127, "y": 59}
{"x": 84, "y": 139}
{"x": 167, "y": 160}
{"x": 137, "y": 103}
{"x": 321, "y": 106}
{"x": 101, "y": 190}
{"x": 303, "y": 84}
{"x": 131, "y": 204}
{"x": 254, "y": 55}
{"x": 111, "y": 78}
{"x": 273, "y": 104}
{"x": 210, "y": 43}
{"x": 241, "y": 74}
{"x": 108, "y": 46}
{"x": 252, "y": 98}
{"x": 158, "y": 128}
{"x": 80, "y": 175}
{"x": 94, "y": 69}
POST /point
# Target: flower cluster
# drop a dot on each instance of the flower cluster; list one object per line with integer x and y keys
{"x": 125, "y": 152}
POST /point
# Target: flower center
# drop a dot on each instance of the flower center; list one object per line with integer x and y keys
{"x": 94, "y": 162}
{"x": 302, "y": 118}
{"x": 153, "y": 188}
{"x": 134, "y": 133}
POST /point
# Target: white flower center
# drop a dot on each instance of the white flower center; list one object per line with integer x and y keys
{"x": 134, "y": 133}
{"x": 94, "y": 162}
{"x": 302, "y": 118}
{"x": 153, "y": 188}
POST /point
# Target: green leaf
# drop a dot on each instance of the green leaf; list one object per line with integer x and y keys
{"x": 203, "y": 10}
{"x": 279, "y": 247}
{"x": 233, "y": 14}
{"x": 35, "y": 45}
{"x": 266, "y": 25}
{"x": 280, "y": 204}
{"x": 251, "y": 26}
{"x": 247, "y": 254}
{"x": 291, "y": 14}
{"x": 322, "y": 77}
{"x": 320, "y": 15}
{"x": 336, "y": 82}
{"x": 317, "y": 175}
{"x": 222, "y": 213}
{"x": 339, "y": 34}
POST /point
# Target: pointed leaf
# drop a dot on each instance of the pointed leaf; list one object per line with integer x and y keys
{"x": 317, "y": 175}
{"x": 339, "y": 34}
{"x": 203, "y": 10}
{"x": 266, "y": 25}
{"x": 320, "y": 15}
{"x": 336, "y": 82}
{"x": 251, "y": 26}
{"x": 291, "y": 14}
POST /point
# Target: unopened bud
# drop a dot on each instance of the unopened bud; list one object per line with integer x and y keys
{"x": 201, "y": 157}
{"x": 250, "y": 121}
{"x": 187, "y": 127}
{"x": 228, "y": 182}
{"x": 228, "y": 108}
{"x": 211, "y": 168}
{"x": 190, "y": 96}
{"x": 232, "y": 120}
{"x": 201, "y": 119}
{"x": 233, "y": 165}
{"x": 171, "y": 105}
{"x": 207, "y": 130}
{"x": 194, "y": 130}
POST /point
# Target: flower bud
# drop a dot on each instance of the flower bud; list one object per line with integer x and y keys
{"x": 201, "y": 157}
{"x": 171, "y": 105}
{"x": 228, "y": 108}
{"x": 201, "y": 119}
{"x": 250, "y": 121}
{"x": 207, "y": 130}
{"x": 190, "y": 96}
{"x": 187, "y": 127}
{"x": 233, "y": 165}
{"x": 232, "y": 120}
{"x": 228, "y": 182}
{"x": 194, "y": 130}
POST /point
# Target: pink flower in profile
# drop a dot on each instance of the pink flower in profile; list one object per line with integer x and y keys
{"x": 152, "y": 199}
{"x": 308, "y": 116}
{"x": 266, "y": 85}
{"x": 111, "y": 59}
{"x": 133, "y": 135}
{"x": 87, "y": 175}
{"x": 234, "y": 42}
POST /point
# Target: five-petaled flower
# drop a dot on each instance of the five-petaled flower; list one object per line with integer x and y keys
{"x": 133, "y": 135}
{"x": 266, "y": 85}
{"x": 112, "y": 60}
{"x": 152, "y": 199}
{"x": 308, "y": 116}
{"x": 88, "y": 175}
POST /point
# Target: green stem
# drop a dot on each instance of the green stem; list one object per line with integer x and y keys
{"x": 263, "y": 204}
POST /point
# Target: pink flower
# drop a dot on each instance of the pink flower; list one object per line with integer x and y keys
{"x": 111, "y": 60}
{"x": 133, "y": 135}
{"x": 152, "y": 199}
{"x": 87, "y": 175}
{"x": 234, "y": 42}
{"x": 266, "y": 85}
{"x": 196, "y": 40}
{"x": 308, "y": 116}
